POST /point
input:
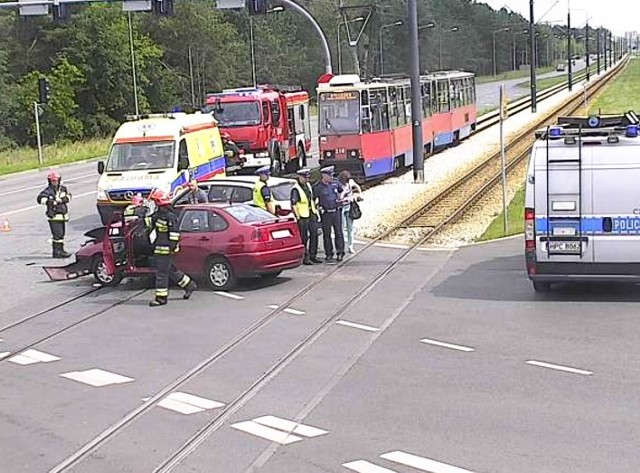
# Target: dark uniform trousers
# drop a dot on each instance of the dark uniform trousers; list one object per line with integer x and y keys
{"x": 166, "y": 272}
{"x": 309, "y": 233}
{"x": 332, "y": 219}
{"x": 58, "y": 229}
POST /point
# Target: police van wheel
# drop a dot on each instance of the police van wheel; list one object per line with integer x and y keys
{"x": 219, "y": 274}
{"x": 541, "y": 286}
{"x": 99, "y": 270}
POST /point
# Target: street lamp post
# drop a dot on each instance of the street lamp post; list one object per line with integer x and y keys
{"x": 495, "y": 67}
{"x": 450, "y": 30}
{"x": 253, "y": 44}
{"x": 532, "y": 80}
{"x": 381, "y": 41}
{"x": 355, "y": 20}
{"x": 569, "y": 68}
{"x": 586, "y": 46}
{"x": 598, "y": 50}
{"x": 441, "y": 32}
{"x": 133, "y": 67}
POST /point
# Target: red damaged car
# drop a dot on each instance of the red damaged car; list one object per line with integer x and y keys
{"x": 219, "y": 242}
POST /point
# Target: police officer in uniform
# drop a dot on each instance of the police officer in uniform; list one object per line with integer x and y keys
{"x": 56, "y": 197}
{"x": 328, "y": 192}
{"x": 261, "y": 192}
{"x": 305, "y": 209}
{"x": 165, "y": 224}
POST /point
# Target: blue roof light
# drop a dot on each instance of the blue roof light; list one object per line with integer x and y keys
{"x": 632, "y": 131}
{"x": 555, "y": 131}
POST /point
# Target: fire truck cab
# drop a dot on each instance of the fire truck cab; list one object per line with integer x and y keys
{"x": 271, "y": 124}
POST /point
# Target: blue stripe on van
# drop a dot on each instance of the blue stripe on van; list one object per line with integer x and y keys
{"x": 202, "y": 172}
{"x": 620, "y": 225}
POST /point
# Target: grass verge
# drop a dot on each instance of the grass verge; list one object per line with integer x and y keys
{"x": 515, "y": 213}
{"x": 22, "y": 159}
{"x": 622, "y": 95}
{"x": 512, "y": 75}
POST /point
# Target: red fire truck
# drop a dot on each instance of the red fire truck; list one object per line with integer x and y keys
{"x": 271, "y": 124}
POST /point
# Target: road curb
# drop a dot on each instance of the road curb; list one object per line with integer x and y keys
{"x": 4, "y": 177}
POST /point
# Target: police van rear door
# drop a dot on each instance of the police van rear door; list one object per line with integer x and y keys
{"x": 561, "y": 206}
{"x": 616, "y": 201}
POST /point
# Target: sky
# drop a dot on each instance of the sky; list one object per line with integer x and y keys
{"x": 618, "y": 16}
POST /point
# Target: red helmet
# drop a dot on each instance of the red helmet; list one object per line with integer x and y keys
{"x": 137, "y": 200}
{"x": 225, "y": 136}
{"x": 160, "y": 197}
{"x": 53, "y": 176}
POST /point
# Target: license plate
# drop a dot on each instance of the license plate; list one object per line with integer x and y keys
{"x": 573, "y": 247}
{"x": 280, "y": 234}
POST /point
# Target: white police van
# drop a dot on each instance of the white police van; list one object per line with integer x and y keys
{"x": 582, "y": 201}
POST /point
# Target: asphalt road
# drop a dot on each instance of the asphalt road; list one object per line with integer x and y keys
{"x": 488, "y": 94}
{"x": 442, "y": 363}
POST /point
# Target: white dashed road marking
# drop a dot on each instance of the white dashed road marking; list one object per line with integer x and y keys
{"x": 96, "y": 377}
{"x": 31, "y": 207}
{"x": 559, "y": 367}
{"x": 185, "y": 403}
{"x": 278, "y": 430}
{"x": 368, "y": 328}
{"x": 446, "y": 345}
{"x": 288, "y": 310}
{"x": 424, "y": 464}
{"x": 29, "y": 357}
{"x": 228, "y": 295}
{"x": 362, "y": 466}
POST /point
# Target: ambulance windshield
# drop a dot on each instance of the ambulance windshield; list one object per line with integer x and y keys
{"x": 141, "y": 156}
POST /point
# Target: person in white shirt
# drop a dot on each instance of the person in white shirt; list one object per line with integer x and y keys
{"x": 351, "y": 193}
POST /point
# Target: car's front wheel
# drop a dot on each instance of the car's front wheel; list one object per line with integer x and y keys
{"x": 100, "y": 274}
{"x": 219, "y": 274}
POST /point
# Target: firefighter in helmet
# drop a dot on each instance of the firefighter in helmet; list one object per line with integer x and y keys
{"x": 231, "y": 150}
{"x": 56, "y": 197}
{"x": 136, "y": 209}
{"x": 165, "y": 224}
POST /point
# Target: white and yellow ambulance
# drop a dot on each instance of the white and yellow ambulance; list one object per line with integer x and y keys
{"x": 162, "y": 151}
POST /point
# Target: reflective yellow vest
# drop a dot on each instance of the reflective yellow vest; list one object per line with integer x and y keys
{"x": 303, "y": 205}
{"x": 258, "y": 200}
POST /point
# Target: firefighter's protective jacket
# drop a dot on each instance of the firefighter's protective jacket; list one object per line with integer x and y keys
{"x": 56, "y": 199}
{"x": 165, "y": 224}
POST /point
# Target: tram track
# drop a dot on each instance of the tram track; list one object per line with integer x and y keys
{"x": 453, "y": 202}
{"x": 215, "y": 423}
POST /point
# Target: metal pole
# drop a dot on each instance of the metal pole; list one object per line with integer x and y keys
{"x": 503, "y": 161}
{"x": 254, "y": 75}
{"x": 440, "y": 45}
{"x": 514, "y": 51}
{"x": 416, "y": 95}
{"x": 569, "y": 68}
{"x": 35, "y": 108}
{"x": 598, "y": 50}
{"x": 133, "y": 66}
{"x": 339, "y": 51}
{"x": 495, "y": 69}
{"x": 532, "y": 35}
{"x": 318, "y": 28}
{"x": 381, "y": 54}
{"x": 586, "y": 46}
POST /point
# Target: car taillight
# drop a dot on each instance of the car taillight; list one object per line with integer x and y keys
{"x": 529, "y": 229}
{"x": 261, "y": 235}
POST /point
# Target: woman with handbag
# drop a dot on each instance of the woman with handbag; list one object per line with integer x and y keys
{"x": 351, "y": 195}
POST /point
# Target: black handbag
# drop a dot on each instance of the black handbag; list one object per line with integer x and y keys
{"x": 355, "y": 212}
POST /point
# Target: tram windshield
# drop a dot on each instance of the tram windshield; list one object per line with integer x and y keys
{"x": 339, "y": 113}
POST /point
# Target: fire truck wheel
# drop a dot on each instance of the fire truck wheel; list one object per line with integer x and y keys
{"x": 99, "y": 270}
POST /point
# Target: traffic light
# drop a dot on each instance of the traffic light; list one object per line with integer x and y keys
{"x": 258, "y": 7}
{"x": 61, "y": 12}
{"x": 44, "y": 90}
{"x": 162, "y": 7}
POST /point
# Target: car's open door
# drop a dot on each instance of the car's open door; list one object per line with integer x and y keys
{"x": 108, "y": 253}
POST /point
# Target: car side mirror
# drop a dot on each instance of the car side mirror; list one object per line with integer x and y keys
{"x": 183, "y": 163}
{"x": 100, "y": 167}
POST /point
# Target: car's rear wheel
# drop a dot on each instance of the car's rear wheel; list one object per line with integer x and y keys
{"x": 100, "y": 274}
{"x": 541, "y": 286}
{"x": 219, "y": 274}
{"x": 270, "y": 276}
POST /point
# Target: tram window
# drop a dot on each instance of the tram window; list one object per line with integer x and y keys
{"x": 434, "y": 97}
{"x": 379, "y": 112}
{"x": 443, "y": 96}
{"x": 364, "y": 97}
{"x": 393, "y": 108}
{"x": 407, "y": 104}
{"x": 366, "y": 119}
{"x": 402, "y": 119}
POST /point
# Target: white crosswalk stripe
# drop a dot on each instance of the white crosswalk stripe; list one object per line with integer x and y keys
{"x": 30, "y": 357}
{"x": 407, "y": 460}
{"x": 96, "y": 377}
{"x": 185, "y": 403}
{"x": 276, "y": 429}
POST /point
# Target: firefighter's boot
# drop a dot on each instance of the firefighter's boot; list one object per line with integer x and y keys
{"x": 190, "y": 289}
{"x": 158, "y": 301}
